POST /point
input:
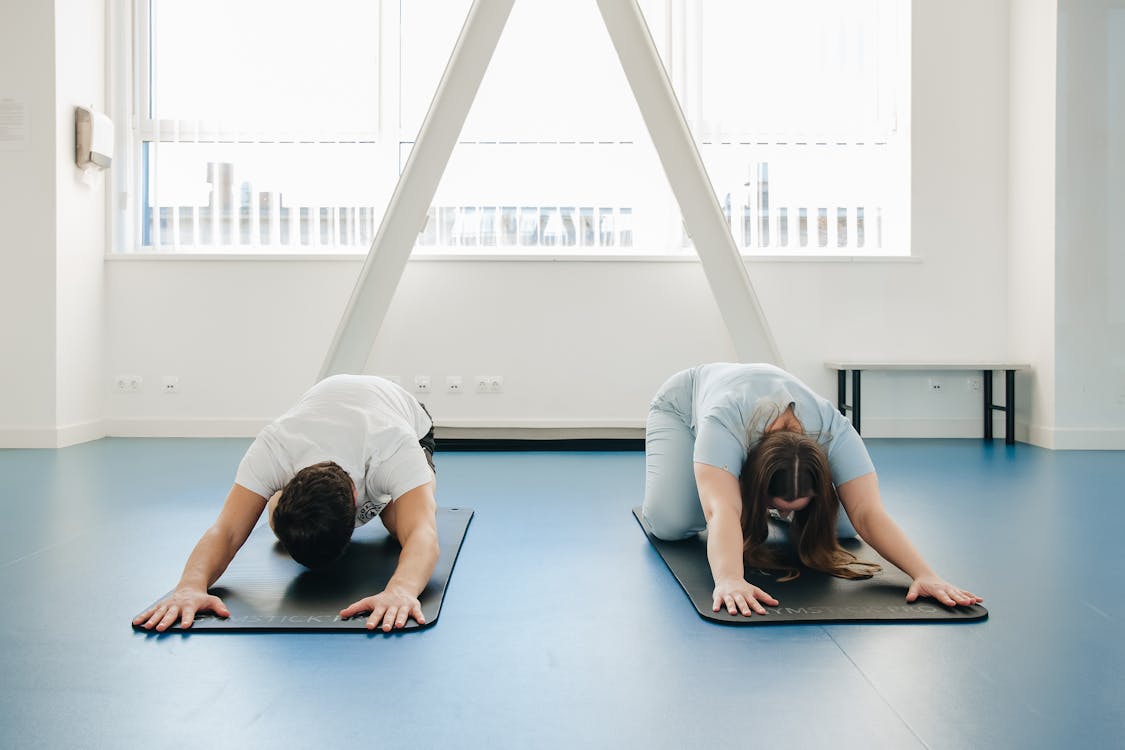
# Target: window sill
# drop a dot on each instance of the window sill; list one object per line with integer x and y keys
{"x": 502, "y": 256}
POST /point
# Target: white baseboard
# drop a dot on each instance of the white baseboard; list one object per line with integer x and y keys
{"x": 1052, "y": 438}
{"x": 82, "y": 432}
{"x": 51, "y": 437}
{"x": 192, "y": 428}
{"x": 533, "y": 429}
{"x": 874, "y": 427}
{"x": 508, "y": 429}
{"x": 546, "y": 429}
{"x": 1079, "y": 439}
{"x": 1040, "y": 436}
{"x": 28, "y": 437}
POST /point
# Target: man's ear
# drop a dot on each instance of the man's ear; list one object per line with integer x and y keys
{"x": 271, "y": 506}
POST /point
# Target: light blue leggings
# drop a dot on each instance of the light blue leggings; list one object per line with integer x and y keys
{"x": 671, "y": 504}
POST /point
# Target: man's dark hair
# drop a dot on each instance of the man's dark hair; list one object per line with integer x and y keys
{"x": 315, "y": 514}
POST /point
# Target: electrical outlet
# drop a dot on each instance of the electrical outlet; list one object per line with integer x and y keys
{"x": 488, "y": 383}
{"x": 453, "y": 384}
{"x": 935, "y": 385}
{"x": 171, "y": 384}
{"x": 129, "y": 383}
{"x": 422, "y": 383}
{"x": 976, "y": 384}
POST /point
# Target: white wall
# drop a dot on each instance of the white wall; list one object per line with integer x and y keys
{"x": 586, "y": 343}
{"x": 1090, "y": 233}
{"x": 52, "y": 57}
{"x": 1031, "y": 212}
{"x": 80, "y": 66}
{"x": 27, "y": 227}
{"x": 577, "y": 343}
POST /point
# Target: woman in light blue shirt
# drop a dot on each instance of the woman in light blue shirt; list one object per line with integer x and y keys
{"x": 727, "y": 446}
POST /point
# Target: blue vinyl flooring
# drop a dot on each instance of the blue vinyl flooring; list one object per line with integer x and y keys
{"x": 561, "y": 626}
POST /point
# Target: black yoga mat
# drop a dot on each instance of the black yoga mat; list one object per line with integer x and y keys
{"x": 812, "y": 596}
{"x": 265, "y": 590}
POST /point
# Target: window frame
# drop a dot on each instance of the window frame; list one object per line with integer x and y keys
{"x": 680, "y": 49}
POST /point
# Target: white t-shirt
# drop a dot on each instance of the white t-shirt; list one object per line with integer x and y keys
{"x": 367, "y": 425}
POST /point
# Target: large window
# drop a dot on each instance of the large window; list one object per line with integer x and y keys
{"x": 799, "y": 111}
{"x": 281, "y": 126}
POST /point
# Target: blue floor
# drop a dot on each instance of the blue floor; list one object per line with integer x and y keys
{"x": 561, "y": 626}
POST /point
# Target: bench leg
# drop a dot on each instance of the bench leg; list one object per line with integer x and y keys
{"x": 842, "y": 391}
{"x": 855, "y": 400}
{"x": 1010, "y": 407}
{"x": 987, "y": 404}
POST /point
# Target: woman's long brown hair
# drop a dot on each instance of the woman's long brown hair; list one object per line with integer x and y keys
{"x": 789, "y": 465}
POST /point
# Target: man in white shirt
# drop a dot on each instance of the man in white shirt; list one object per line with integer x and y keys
{"x": 352, "y": 448}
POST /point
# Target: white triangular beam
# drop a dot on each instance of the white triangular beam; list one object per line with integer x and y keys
{"x": 406, "y": 211}
{"x": 703, "y": 218}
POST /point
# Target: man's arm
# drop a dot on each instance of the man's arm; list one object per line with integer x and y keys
{"x": 861, "y": 501}
{"x": 722, "y": 508}
{"x": 211, "y": 556}
{"x": 412, "y": 519}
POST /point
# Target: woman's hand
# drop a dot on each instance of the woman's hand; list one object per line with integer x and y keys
{"x": 739, "y": 596}
{"x": 942, "y": 591}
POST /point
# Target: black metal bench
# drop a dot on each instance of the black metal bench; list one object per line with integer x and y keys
{"x": 1009, "y": 369}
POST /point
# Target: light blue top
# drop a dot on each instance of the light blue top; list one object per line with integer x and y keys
{"x": 729, "y": 406}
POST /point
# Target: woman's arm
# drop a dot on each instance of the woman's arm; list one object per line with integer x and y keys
{"x": 861, "y": 501}
{"x": 722, "y": 508}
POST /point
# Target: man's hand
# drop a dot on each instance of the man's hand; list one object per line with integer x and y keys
{"x": 392, "y": 607}
{"x": 739, "y": 596}
{"x": 211, "y": 556}
{"x": 941, "y": 590}
{"x": 411, "y": 518}
{"x": 183, "y": 603}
